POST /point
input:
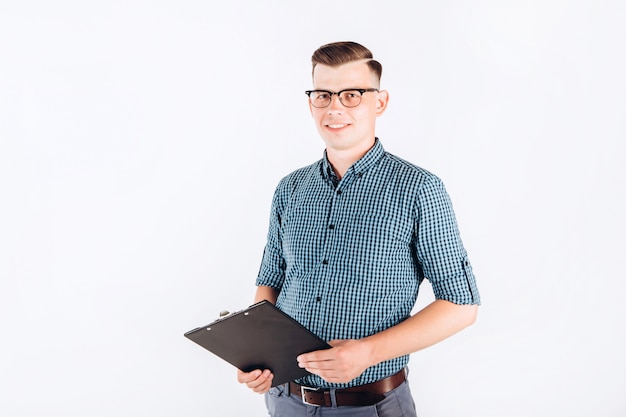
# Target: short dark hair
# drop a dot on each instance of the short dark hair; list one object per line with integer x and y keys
{"x": 339, "y": 53}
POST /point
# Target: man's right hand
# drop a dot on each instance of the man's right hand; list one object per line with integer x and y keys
{"x": 257, "y": 380}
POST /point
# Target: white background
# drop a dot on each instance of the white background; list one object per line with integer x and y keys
{"x": 141, "y": 141}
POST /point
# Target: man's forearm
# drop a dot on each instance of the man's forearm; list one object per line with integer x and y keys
{"x": 434, "y": 323}
{"x": 266, "y": 293}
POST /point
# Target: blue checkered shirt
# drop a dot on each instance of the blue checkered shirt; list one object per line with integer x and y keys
{"x": 348, "y": 256}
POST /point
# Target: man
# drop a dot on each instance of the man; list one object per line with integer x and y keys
{"x": 350, "y": 239}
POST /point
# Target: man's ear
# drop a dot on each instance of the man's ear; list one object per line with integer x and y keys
{"x": 381, "y": 102}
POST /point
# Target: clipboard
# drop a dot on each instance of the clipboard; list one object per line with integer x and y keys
{"x": 259, "y": 337}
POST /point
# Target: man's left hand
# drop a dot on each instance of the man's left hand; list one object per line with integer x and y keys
{"x": 344, "y": 361}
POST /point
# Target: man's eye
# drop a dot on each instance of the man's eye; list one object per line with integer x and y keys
{"x": 350, "y": 95}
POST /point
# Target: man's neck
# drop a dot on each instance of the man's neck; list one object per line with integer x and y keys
{"x": 342, "y": 160}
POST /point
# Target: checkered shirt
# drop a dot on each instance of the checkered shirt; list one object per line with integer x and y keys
{"x": 348, "y": 256}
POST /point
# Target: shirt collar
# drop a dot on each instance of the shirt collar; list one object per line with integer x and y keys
{"x": 361, "y": 166}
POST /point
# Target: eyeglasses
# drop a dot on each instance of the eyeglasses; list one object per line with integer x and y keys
{"x": 349, "y": 98}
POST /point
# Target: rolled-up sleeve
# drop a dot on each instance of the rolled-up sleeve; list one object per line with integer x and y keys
{"x": 272, "y": 270}
{"x": 439, "y": 248}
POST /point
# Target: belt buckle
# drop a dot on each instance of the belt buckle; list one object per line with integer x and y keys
{"x": 303, "y": 390}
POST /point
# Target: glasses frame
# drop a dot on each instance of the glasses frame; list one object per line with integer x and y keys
{"x": 338, "y": 93}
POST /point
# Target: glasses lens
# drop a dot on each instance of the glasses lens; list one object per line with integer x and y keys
{"x": 320, "y": 98}
{"x": 350, "y": 98}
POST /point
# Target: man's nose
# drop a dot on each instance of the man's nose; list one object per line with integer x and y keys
{"x": 335, "y": 103}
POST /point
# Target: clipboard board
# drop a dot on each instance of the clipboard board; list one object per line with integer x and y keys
{"x": 259, "y": 337}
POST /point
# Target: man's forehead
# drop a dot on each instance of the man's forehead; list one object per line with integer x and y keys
{"x": 358, "y": 71}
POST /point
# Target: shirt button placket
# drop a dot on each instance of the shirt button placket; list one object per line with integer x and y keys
{"x": 328, "y": 246}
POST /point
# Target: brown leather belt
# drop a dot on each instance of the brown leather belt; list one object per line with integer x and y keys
{"x": 362, "y": 395}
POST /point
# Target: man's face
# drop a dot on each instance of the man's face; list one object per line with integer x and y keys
{"x": 348, "y": 128}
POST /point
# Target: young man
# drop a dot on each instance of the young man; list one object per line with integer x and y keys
{"x": 350, "y": 239}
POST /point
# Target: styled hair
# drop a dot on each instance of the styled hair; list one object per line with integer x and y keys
{"x": 339, "y": 53}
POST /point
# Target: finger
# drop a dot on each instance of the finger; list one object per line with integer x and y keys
{"x": 316, "y": 366}
{"x": 262, "y": 378}
{"x": 317, "y": 360}
{"x": 315, "y": 356}
{"x": 263, "y": 388}
{"x": 330, "y": 375}
{"x": 262, "y": 383}
{"x": 245, "y": 377}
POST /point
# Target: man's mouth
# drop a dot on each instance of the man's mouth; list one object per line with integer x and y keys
{"x": 336, "y": 125}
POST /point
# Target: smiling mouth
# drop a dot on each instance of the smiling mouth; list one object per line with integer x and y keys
{"x": 337, "y": 125}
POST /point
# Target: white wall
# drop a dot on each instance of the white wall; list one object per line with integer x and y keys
{"x": 140, "y": 143}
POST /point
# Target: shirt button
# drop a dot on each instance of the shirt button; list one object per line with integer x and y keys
{"x": 338, "y": 192}
{"x": 331, "y": 226}
{"x": 360, "y": 175}
{"x": 325, "y": 261}
{"x": 318, "y": 299}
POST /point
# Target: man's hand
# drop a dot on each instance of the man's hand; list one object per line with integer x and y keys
{"x": 344, "y": 361}
{"x": 257, "y": 380}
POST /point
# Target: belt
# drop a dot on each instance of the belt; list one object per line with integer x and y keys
{"x": 368, "y": 394}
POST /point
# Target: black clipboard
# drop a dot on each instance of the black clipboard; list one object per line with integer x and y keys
{"x": 259, "y": 337}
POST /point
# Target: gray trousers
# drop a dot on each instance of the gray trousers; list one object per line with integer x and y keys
{"x": 397, "y": 403}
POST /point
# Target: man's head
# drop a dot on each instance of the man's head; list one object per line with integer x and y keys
{"x": 346, "y": 98}
{"x": 339, "y": 53}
